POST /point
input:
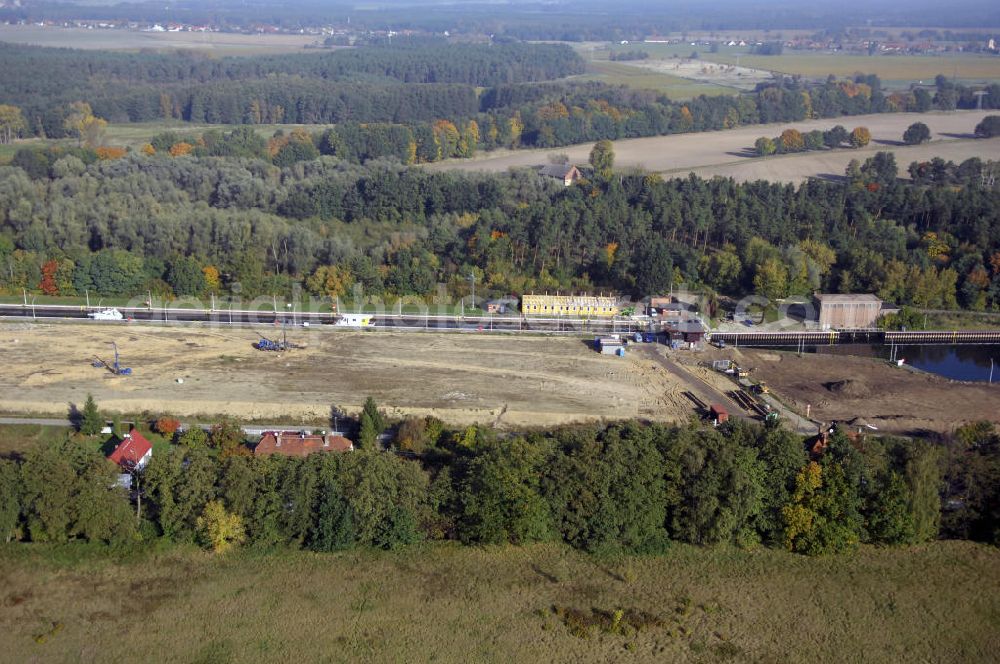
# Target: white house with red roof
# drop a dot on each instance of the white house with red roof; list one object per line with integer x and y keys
{"x": 133, "y": 453}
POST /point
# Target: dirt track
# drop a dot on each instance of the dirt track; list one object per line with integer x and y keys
{"x": 461, "y": 378}
{"x": 725, "y": 152}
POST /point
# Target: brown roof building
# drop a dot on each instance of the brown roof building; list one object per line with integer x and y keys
{"x": 300, "y": 443}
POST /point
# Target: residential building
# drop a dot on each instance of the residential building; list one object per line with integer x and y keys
{"x": 133, "y": 452}
{"x": 584, "y": 306}
{"x": 300, "y": 443}
{"x": 565, "y": 172}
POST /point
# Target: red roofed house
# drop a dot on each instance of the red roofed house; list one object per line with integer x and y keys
{"x": 134, "y": 452}
{"x": 300, "y": 443}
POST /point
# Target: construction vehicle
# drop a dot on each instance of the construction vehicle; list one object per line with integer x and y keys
{"x": 761, "y": 388}
{"x": 273, "y": 345}
{"x": 106, "y": 314}
{"x": 117, "y": 369}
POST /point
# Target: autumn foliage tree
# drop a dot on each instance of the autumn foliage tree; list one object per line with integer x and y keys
{"x": 860, "y": 137}
{"x": 218, "y": 529}
{"x": 48, "y": 284}
{"x": 792, "y": 141}
{"x": 168, "y": 426}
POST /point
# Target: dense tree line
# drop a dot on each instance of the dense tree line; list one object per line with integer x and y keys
{"x": 626, "y": 487}
{"x": 71, "y": 222}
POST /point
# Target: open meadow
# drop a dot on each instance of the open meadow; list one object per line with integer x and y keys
{"x": 937, "y": 602}
{"x": 728, "y": 153}
{"x": 462, "y": 378}
{"x": 218, "y": 43}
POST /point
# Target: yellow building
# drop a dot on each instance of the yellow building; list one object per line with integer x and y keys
{"x": 581, "y": 306}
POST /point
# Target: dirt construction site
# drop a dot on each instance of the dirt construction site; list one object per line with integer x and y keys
{"x": 462, "y": 378}
{"x": 847, "y": 388}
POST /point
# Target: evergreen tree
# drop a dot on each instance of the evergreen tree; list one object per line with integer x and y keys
{"x": 368, "y": 434}
{"x": 91, "y": 420}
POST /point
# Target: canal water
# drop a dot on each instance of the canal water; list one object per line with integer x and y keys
{"x": 971, "y": 363}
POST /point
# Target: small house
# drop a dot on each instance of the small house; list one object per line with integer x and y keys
{"x": 690, "y": 332}
{"x": 501, "y": 306}
{"x": 565, "y": 172}
{"x": 300, "y": 443}
{"x": 133, "y": 452}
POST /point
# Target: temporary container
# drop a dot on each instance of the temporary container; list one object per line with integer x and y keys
{"x": 718, "y": 413}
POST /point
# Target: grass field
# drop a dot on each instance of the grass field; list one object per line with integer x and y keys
{"x": 215, "y": 43}
{"x": 542, "y": 603}
{"x": 135, "y": 135}
{"x": 675, "y": 87}
{"x": 897, "y": 68}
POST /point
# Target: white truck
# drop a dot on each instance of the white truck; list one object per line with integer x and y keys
{"x": 107, "y": 314}
{"x": 355, "y": 320}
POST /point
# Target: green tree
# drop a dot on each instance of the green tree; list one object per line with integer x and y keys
{"x": 101, "y": 510}
{"x": 602, "y": 159}
{"x": 771, "y": 279}
{"x": 48, "y": 479}
{"x": 387, "y": 497}
{"x": 500, "y": 499}
{"x": 890, "y": 520}
{"x": 368, "y": 433}
{"x": 371, "y": 409}
{"x": 193, "y": 436}
{"x": 91, "y": 420}
{"x": 822, "y": 516}
{"x": 988, "y": 127}
{"x": 764, "y": 146}
{"x": 334, "y": 529}
{"x": 916, "y": 134}
{"x": 10, "y": 499}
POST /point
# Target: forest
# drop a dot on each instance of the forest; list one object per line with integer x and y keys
{"x": 72, "y": 222}
{"x": 404, "y": 99}
{"x": 627, "y": 487}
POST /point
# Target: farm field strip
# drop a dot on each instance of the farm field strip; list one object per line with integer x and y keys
{"x": 710, "y": 153}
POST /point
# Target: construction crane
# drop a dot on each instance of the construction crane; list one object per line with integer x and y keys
{"x": 116, "y": 368}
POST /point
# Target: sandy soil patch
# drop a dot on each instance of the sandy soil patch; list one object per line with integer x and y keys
{"x": 726, "y": 152}
{"x": 742, "y": 78}
{"x": 842, "y": 387}
{"x": 461, "y": 378}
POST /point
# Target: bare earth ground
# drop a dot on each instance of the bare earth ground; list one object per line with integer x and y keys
{"x": 442, "y": 603}
{"x": 895, "y": 400}
{"x": 461, "y": 378}
{"x": 726, "y": 152}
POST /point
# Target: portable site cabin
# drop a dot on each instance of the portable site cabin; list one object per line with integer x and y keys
{"x": 609, "y": 346}
{"x": 718, "y": 414}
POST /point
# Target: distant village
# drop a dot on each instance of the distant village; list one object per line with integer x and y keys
{"x": 856, "y": 41}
